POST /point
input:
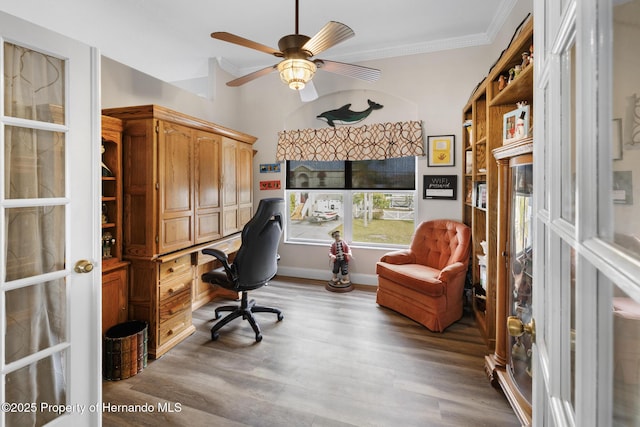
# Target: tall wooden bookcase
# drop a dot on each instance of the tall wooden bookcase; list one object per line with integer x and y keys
{"x": 482, "y": 132}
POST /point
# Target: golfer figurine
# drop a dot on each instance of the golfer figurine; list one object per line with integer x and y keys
{"x": 340, "y": 255}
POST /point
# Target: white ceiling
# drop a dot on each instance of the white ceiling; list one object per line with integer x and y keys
{"x": 170, "y": 39}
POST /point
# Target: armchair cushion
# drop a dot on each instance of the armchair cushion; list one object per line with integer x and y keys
{"x": 414, "y": 276}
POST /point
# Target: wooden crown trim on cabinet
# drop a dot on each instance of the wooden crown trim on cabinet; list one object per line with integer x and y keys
{"x": 162, "y": 113}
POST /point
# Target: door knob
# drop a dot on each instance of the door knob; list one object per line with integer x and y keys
{"x": 516, "y": 328}
{"x": 83, "y": 266}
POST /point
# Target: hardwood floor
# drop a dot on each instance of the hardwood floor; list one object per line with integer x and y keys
{"x": 336, "y": 360}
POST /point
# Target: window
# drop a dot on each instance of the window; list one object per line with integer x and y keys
{"x": 371, "y": 201}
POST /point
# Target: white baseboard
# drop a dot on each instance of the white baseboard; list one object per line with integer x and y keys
{"x": 306, "y": 273}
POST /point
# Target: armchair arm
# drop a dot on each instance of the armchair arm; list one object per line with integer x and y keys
{"x": 223, "y": 258}
{"x": 399, "y": 257}
{"x": 450, "y": 271}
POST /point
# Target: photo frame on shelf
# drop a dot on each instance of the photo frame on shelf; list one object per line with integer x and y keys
{"x": 440, "y": 187}
{"x": 616, "y": 139}
{"x": 515, "y": 125}
{"x": 441, "y": 150}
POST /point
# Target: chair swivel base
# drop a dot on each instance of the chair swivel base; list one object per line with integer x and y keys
{"x": 245, "y": 310}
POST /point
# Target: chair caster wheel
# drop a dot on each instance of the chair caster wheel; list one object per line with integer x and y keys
{"x": 280, "y": 316}
{"x": 258, "y": 337}
{"x": 214, "y": 336}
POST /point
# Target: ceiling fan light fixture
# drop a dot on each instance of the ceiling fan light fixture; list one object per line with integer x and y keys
{"x": 296, "y": 72}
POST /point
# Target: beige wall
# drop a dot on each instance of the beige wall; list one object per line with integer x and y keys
{"x": 430, "y": 87}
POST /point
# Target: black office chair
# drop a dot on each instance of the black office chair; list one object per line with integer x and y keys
{"x": 254, "y": 265}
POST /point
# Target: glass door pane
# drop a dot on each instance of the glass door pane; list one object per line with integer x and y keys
{"x": 33, "y": 202}
{"x": 521, "y": 278}
{"x": 625, "y": 132}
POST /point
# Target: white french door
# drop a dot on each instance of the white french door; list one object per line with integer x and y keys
{"x": 49, "y": 217}
{"x": 587, "y": 204}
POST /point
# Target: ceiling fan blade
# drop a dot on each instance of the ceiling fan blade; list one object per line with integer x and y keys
{"x": 349, "y": 70}
{"x": 308, "y": 93}
{"x": 251, "y": 76}
{"x": 232, "y": 38}
{"x": 330, "y": 35}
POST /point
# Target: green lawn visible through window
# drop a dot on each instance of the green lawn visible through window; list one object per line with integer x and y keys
{"x": 396, "y": 232}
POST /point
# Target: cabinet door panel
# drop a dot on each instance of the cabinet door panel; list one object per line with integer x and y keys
{"x": 207, "y": 182}
{"x": 244, "y": 173}
{"x": 175, "y": 167}
{"x": 114, "y": 298}
{"x": 230, "y": 183}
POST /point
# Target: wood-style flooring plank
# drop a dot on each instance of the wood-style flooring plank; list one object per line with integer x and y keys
{"x": 336, "y": 360}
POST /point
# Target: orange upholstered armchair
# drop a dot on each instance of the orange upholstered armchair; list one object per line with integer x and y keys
{"x": 426, "y": 281}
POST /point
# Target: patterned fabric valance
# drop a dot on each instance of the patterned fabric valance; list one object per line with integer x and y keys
{"x": 370, "y": 142}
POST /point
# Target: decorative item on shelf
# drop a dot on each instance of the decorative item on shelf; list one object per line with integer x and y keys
{"x": 105, "y": 218}
{"x": 482, "y": 264}
{"x": 468, "y": 164}
{"x": 340, "y": 255}
{"x": 481, "y": 195}
{"x": 468, "y": 125}
{"x": 107, "y": 242}
{"x": 502, "y": 81}
{"x": 525, "y": 60}
{"x": 517, "y": 70}
{"x": 105, "y": 169}
{"x": 516, "y": 124}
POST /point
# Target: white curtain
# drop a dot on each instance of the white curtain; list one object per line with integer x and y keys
{"x": 35, "y": 314}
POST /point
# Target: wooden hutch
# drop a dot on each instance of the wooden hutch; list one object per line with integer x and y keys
{"x": 114, "y": 269}
{"x": 188, "y": 185}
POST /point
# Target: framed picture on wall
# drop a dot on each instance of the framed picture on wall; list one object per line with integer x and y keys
{"x": 441, "y": 150}
{"x": 440, "y": 187}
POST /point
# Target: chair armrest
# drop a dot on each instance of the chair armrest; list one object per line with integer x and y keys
{"x": 450, "y": 271}
{"x": 399, "y": 257}
{"x": 222, "y": 257}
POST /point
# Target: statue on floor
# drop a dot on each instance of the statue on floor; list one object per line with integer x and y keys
{"x": 340, "y": 255}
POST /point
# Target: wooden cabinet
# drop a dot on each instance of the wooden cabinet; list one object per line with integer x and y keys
{"x": 511, "y": 361}
{"x": 187, "y": 185}
{"x": 483, "y": 124}
{"x": 114, "y": 269}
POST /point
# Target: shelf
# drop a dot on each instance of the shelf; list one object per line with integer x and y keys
{"x": 518, "y": 90}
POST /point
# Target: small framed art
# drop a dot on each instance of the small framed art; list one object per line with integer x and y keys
{"x": 515, "y": 125}
{"x": 441, "y": 150}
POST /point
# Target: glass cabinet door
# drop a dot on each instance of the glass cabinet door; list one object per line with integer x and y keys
{"x": 520, "y": 277}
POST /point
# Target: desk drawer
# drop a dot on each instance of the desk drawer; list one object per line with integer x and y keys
{"x": 169, "y": 289}
{"x": 174, "y": 326}
{"x": 175, "y": 267}
{"x": 175, "y": 305}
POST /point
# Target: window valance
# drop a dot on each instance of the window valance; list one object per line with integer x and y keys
{"x": 369, "y": 142}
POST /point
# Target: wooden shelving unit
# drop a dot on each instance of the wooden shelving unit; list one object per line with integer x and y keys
{"x": 114, "y": 269}
{"x": 482, "y": 120}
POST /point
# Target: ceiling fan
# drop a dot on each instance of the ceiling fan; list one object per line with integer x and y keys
{"x": 296, "y": 50}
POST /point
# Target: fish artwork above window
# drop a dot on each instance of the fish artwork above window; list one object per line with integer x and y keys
{"x": 345, "y": 114}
